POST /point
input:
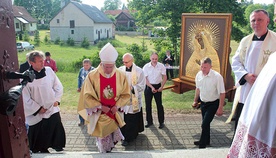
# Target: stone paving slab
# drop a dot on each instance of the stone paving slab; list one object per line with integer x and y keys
{"x": 186, "y": 153}
{"x": 179, "y": 133}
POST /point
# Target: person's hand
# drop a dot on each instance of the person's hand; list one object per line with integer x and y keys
{"x": 250, "y": 78}
{"x": 153, "y": 90}
{"x": 105, "y": 109}
{"x": 160, "y": 89}
{"x": 55, "y": 103}
{"x": 219, "y": 111}
{"x": 42, "y": 110}
{"x": 196, "y": 105}
{"x": 79, "y": 90}
{"x": 114, "y": 109}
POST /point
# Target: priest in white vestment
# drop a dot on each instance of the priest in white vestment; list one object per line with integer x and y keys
{"x": 133, "y": 114}
{"x": 251, "y": 56}
{"x": 256, "y": 132}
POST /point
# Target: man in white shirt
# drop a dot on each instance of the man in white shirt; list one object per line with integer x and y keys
{"x": 156, "y": 77}
{"x": 210, "y": 91}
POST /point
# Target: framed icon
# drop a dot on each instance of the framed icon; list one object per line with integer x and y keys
{"x": 204, "y": 35}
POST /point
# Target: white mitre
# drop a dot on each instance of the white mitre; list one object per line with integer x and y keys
{"x": 108, "y": 54}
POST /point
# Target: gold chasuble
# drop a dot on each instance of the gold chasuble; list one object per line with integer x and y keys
{"x": 99, "y": 90}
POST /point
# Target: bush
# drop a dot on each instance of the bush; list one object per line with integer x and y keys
{"x": 70, "y": 41}
{"x": 78, "y": 64}
{"x": 43, "y": 26}
{"x": 85, "y": 43}
{"x": 161, "y": 44}
{"x": 136, "y": 51}
{"x": 95, "y": 61}
{"x": 46, "y": 39}
{"x": 115, "y": 43}
{"x": 121, "y": 28}
{"x": 61, "y": 43}
{"x": 57, "y": 41}
{"x": 26, "y": 36}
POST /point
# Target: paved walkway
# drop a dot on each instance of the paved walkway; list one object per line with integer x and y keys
{"x": 178, "y": 135}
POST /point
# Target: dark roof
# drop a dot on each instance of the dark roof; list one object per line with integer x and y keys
{"x": 114, "y": 12}
{"x": 19, "y": 11}
{"x": 126, "y": 13}
{"x": 92, "y": 12}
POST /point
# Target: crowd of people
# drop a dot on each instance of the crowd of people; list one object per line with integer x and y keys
{"x": 110, "y": 101}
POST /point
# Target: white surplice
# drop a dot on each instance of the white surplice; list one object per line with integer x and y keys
{"x": 37, "y": 94}
{"x": 138, "y": 88}
{"x": 256, "y": 132}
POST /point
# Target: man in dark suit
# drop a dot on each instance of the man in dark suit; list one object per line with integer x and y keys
{"x": 25, "y": 66}
{"x": 168, "y": 62}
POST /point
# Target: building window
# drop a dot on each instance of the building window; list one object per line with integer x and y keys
{"x": 17, "y": 25}
{"x": 31, "y": 24}
{"x": 72, "y": 32}
{"x": 72, "y": 23}
{"x": 58, "y": 21}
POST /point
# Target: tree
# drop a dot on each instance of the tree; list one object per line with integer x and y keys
{"x": 112, "y": 4}
{"x": 145, "y": 11}
{"x": 218, "y": 6}
{"x": 148, "y": 10}
{"x": 171, "y": 11}
{"x": 37, "y": 38}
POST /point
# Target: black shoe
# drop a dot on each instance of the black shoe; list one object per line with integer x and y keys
{"x": 44, "y": 151}
{"x": 198, "y": 143}
{"x": 161, "y": 126}
{"x": 34, "y": 151}
{"x": 148, "y": 125}
{"x": 59, "y": 149}
{"x": 202, "y": 146}
{"x": 81, "y": 124}
{"x": 124, "y": 143}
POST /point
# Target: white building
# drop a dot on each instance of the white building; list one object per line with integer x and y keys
{"x": 23, "y": 21}
{"x": 77, "y": 21}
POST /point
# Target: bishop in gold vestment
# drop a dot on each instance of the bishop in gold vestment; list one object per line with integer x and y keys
{"x": 104, "y": 92}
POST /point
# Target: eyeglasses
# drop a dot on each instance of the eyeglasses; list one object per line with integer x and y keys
{"x": 257, "y": 20}
{"x": 125, "y": 62}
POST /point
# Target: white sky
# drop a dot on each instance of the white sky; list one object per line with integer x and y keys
{"x": 263, "y": 1}
{"x": 100, "y": 3}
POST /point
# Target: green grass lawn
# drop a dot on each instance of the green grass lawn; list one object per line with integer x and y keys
{"x": 135, "y": 39}
{"x": 64, "y": 55}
